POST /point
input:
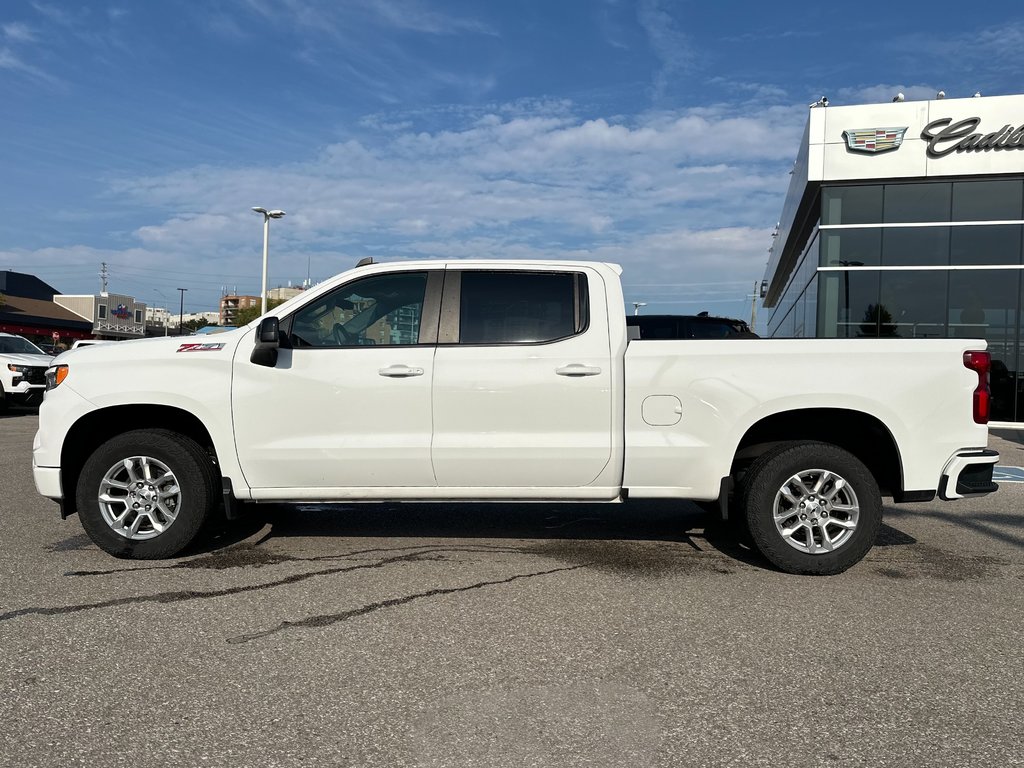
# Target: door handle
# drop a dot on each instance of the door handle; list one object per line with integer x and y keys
{"x": 578, "y": 369}
{"x": 400, "y": 371}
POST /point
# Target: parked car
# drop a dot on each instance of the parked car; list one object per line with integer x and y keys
{"x": 79, "y": 343}
{"x": 22, "y": 369}
{"x": 700, "y": 326}
{"x": 508, "y": 381}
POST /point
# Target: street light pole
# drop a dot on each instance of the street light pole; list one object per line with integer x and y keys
{"x": 267, "y": 216}
{"x": 181, "y": 312}
{"x": 637, "y": 305}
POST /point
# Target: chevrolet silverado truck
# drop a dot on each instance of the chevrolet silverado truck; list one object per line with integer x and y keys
{"x": 508, "y": 381}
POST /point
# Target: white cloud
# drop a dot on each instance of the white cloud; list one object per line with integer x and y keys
{"x": 19, "y": 32}
{"x": 11, "y": 61}
{"x": 671, "y": 46}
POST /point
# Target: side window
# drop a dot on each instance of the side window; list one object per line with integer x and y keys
{"x": 101, "y": 312}
{"x": 379, "y": 310}
{"x": 521, "y": 307}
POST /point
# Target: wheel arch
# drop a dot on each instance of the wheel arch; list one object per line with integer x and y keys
{"x": 863, "y": 435}
{"x": 96, "y": 427}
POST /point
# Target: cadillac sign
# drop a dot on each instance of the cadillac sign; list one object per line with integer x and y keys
{"x": 944, "y": 136}
{"x": 874, "y": 140}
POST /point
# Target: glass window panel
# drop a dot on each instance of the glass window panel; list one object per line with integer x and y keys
{"x": 379, "y": 310}
{"x": 912, "y": 304}
{"x": 983, "y": 305}
{"x": 851, "y": 247}
{"x": 992, "y": 244}
{"x": 915, "y": 246}
{"x": 811, "y": 311}
{"x": 848, "y": 304}
{"x": 851, "y": 205}
{"x": 987, "y": 200}
{"x": 517, "y": 307}
{"x": 929, "y": 201}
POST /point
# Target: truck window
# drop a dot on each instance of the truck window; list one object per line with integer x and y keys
{"x": 379, "y": 310}
{"x": 521, "y": 307}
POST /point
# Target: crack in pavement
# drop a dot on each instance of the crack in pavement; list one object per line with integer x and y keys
{"x": 328, "y": 619}
{"x": 224, "y": 559}
{"x": 184, "y": 595}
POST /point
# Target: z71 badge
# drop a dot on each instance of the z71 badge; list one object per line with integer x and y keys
{"x": 207, "y": 347}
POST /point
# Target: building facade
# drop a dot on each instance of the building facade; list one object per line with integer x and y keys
{"x": 906, "y": 219}
{"x": 113, "y": 315}
{"x": 230, "y": 304}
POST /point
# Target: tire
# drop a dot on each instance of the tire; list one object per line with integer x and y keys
{"x": 179, "y": 504}
{"x": 836, "y": 526}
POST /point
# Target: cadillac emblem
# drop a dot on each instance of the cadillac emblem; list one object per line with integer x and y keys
{"x": 872, "y": 140}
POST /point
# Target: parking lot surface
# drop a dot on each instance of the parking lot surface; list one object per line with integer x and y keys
{"x": 508, "y": 635}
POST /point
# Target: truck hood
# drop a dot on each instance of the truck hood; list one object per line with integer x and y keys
{"x": 159, "y": 347}
{"x": 40, "y": 361}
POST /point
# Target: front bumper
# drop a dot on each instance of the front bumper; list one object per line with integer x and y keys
{"x": 47, "y": 480}
{"x": 968, "y": 473}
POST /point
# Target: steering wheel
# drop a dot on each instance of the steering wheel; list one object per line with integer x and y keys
{"x": 341, "y": 336}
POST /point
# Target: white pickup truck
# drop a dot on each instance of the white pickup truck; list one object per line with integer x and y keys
{"x": 508, "y": 380}
{"x": 22, "y": 368}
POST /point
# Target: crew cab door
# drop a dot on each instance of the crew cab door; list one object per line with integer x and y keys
{"x": 348, "y": 402}
{"x": 522, "y": 379}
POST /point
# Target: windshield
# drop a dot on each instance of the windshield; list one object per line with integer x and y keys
{"x": 15, "y": 345}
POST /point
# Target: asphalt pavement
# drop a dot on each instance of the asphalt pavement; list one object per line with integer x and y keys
{"x": 508, "y": 635}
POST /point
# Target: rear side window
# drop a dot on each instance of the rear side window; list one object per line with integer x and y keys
{"x": 521, "y": 307}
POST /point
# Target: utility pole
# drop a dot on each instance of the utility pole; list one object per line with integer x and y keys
{"x": 181, "y": 312}
{"x": 103, "y": 278}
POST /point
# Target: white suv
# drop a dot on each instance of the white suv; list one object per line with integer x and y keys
{"x": 22, "y": 371}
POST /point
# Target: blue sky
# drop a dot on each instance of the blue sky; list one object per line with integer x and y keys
{"x": 652, "y": 133}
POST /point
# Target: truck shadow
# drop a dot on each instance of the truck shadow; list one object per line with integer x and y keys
{"x": 591, "y": 526}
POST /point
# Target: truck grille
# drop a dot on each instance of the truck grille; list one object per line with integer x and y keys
{"x": 35, "y": 375}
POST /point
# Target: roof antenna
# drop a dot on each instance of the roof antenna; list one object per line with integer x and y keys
{"x": 364, "y": 261}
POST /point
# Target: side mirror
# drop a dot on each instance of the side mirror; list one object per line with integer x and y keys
{"x": 268, "y": 339}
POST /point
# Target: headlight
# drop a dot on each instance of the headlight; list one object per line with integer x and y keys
{"x": 55, "y": 375}
{"x": 17, "y": 368}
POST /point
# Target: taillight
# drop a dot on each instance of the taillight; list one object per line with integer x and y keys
{"x": 980, "y": 363}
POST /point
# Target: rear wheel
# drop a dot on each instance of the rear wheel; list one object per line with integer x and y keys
{"x": 811, "y": 508}
{"x": 146, "y": 494}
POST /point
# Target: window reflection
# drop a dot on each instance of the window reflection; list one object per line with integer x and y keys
{"x": 915, "y": 246}
{"x": 928, "y": 201}
{"x": 911, "y": 305}
{"x": 987, "y": 200}
{"x": 993, "y": 244}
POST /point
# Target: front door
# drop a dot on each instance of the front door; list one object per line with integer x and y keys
{"x": 348, "y": 404}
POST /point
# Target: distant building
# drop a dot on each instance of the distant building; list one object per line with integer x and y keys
{"x": 230, "y": 304}
{"x": 283, "y": 293}
{"x": 113, "y": 315}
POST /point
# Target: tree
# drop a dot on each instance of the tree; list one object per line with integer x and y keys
{"x": 195, "y": 325}
{"x": 248, "y": 314}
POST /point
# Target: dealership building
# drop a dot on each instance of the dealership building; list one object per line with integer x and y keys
{"x": 905, "y": 219}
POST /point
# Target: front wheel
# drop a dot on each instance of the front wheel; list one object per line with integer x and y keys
{"x": 146, "y": 494}
{"x": 811, "y": 508}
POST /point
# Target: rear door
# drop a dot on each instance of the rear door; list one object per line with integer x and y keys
{"x": 522, "y": 393}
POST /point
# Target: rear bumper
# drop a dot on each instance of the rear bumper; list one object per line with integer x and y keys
{"x": 968, "y": 473}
